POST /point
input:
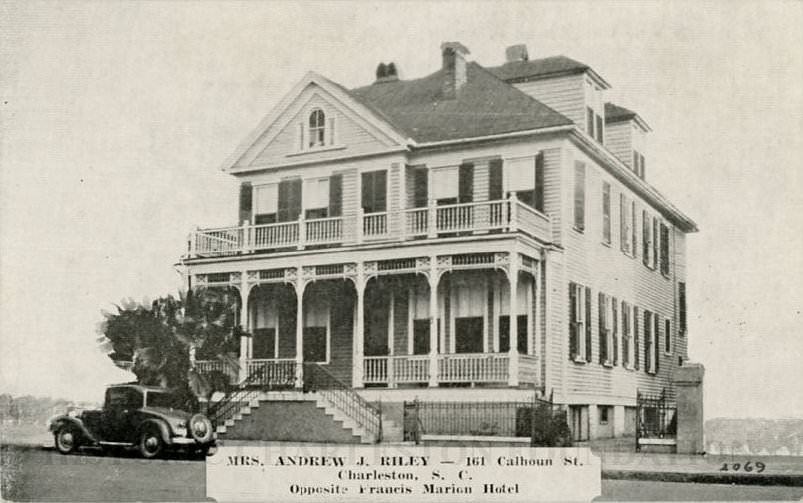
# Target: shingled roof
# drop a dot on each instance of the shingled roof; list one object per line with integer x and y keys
{"x": 551, "y": 66}
{"x": 485, "y": 106}
{"x": 615, "y": 113}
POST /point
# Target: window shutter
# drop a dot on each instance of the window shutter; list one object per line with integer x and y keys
{"x": 647, "y": 341}
{"x": 664, "y": 249}
{"x": 367, "y": 196}
{"x": 588, "y": 324}
{"x": 300, "y": 136}
{"x": 682, "y": 307}
{"x": 572, "y": 321}
{"x": 655, "y": 241}
{"x": 466, "y": 182}
{"x": 289, "y": 200}
{"x": 420, "y": 187}
{"x": 600, "y": 134}
{"x": 615, "y": 328}
{"x": 635, "y": 332}
{"x": 331, "y": 132}
{"x": 656, "y": 331}
{"x": 603, "y": 336}
{"x": 590, "y": 121}
{"x": 622, "y": 222}
{"x": 381, "y": 190}
{"x": 539, "y": 182}
{"x": 645, "y": 238}
{"x": 495, "y": 182}
{"x": 335, "y": 195}
{"x": 579, "y": 195}
{"x": 634, "y": 229}
{"x": 246, "y": 201}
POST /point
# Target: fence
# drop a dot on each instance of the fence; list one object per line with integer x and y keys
{"x": 535, "y": 419}
{"x": 656, "y": 420}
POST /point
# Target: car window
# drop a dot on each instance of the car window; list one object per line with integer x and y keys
{"x": 162, "y": 399}
{"x": 123, "y": 398}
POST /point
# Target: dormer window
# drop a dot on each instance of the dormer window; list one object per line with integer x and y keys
{"x": 317, "y": 128}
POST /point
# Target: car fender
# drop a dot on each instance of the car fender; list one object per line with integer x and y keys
{"x": 164, "y": 430}
{"x": 60, "y": 421}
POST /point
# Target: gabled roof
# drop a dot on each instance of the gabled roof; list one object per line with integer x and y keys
{"x": 615, "y": 113}
{"x": 484, "y": 106}
{"x": 553, "y": 66}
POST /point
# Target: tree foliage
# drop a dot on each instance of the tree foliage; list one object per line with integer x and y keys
{"x": 158, "y": 337}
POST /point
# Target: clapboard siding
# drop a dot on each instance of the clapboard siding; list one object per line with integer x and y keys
{"x": 355, "y": 138}
{"x": 609, "y": 270}
{"x": 618, "y": 139}
{"x": 565, "y": 95}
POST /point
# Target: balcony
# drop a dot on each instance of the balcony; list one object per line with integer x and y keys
{"x": 506, "y": 215}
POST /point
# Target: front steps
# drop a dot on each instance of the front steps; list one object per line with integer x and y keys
{"x": 297, "y": 416}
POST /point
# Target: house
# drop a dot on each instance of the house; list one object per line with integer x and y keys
{"x": 477, "y": 234}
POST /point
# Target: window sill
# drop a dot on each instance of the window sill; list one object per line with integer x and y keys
{"x": 579, "y": 359}
{"x": 315, "y": 150}
{"x": 608, "y": 244}
{"x": 578, "y": 229}
{"x": 608, "y": 364}
{"x": 666, "y": 275}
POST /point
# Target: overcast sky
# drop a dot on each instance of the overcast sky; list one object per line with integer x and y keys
{"x": 116, "y": 118}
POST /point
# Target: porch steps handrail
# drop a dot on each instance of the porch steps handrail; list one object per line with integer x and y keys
{"x": 230, "y": 404}
{"x": 319, "y": 380}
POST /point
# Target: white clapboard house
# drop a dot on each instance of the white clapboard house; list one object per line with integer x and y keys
{"x": 476, "y": 234}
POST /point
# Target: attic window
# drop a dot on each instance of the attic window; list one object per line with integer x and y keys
{"x": 317, "y": 128}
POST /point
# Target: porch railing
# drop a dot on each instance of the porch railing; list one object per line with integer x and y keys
{"x": 272, "y": 373}
{"x": 452, "y": 368}
{"x": 432, "y": 221}
{"x": 207, "y": 367}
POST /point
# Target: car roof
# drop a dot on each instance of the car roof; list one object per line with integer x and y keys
{"x": 139, "y": 387}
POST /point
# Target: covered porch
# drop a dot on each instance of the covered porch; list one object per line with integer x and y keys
{"x": 438, "y": 321}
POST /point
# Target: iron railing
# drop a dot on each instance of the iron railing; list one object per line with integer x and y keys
{"x": 246, "y": 391}
{"x": 656, "y": 417}
{"x": 319, "y": 380}
{"x": 531, "y": 419}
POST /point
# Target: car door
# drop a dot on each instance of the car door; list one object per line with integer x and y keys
{"x": 122, "y": 405}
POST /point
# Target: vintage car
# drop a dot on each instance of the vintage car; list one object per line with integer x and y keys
{"x": 146, "y": 417}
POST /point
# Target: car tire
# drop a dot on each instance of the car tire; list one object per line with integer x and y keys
{"x": 67, "y": 439}
{"x": 150, "y": 442}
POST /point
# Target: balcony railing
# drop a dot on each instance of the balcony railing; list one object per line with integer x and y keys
{"x": 508, "y": 215}
{"x": 452, "y": 368}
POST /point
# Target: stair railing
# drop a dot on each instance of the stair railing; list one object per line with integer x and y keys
{"x": 318, "y": 379}
{"x": 247, "y": 390}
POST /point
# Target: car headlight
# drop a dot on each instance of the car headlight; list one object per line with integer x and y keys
{"x": 180, "y": 428}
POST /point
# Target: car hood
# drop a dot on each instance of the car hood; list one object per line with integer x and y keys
{"x": 168, "y": 413}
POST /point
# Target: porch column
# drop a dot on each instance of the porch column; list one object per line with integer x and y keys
{"x": 300, "y": 287}
{"x": 357, "y": 372}
{"x": 513, "y": 377}
{"x": 245, "y": 324}
{"x": 537, "y": 331}
{"x": 433, "y": 321}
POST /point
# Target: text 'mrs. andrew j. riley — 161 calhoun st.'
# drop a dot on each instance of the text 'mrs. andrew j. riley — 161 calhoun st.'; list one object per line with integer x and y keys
{"x": 478, "y": 235}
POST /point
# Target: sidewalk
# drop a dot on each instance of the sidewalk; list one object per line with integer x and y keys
{"x": 620, "y": 461}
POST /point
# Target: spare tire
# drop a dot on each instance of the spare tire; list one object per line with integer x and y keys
{"x": 200, "y": 428}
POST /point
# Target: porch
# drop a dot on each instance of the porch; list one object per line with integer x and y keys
{"x": 428, "y": 222}
{"x": 442, "y": 321}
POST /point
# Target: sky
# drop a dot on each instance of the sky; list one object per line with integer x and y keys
{"x": 116, "y": 118}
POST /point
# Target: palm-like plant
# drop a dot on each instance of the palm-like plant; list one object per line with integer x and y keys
{"x": 160, "y": 336}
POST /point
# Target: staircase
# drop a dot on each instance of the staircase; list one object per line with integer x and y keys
{"x": 326, "y": 410}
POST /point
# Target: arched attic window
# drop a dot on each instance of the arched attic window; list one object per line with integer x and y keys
{"x": 317, "y": 128}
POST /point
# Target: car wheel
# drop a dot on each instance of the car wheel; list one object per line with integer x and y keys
{"x": 67, "y": 439}
{"x": 150, "y": 443}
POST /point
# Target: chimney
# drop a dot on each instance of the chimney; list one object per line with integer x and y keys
{"x": 516, "y": 52}
{"x": 386, "y": 73}
{"x": 454, "y": 67}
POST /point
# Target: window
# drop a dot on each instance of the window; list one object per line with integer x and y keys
{"x": 604, "y": 413}
{"x": 664, "y": 250}
{"x": 600, "y": 132}
{"x": 316, "y": 330}
{"x": 608, "y": 343}
{"x": 682, "y": 306}
{"x": 444, "y": 184}
{"x": 579, "y": 196}
{"x": 625, "y": 224}
{"x": 374, "y": 191}
{"x": 525, "y": 176}
{"x": 579, "y": 328}
{"x": 266, "y": 203}
{"x": 667, "y": 336}
{"x": 590, "y": 121}
{"x": 606, "y": 212}
{"x": 646, "y": 237}
{"x": 316, "y": 198}
{"x": 317, "y": 128}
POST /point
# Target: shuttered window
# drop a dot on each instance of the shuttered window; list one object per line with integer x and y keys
{"x": 655, "y": 241}
{"x": 266, "y": 203}
{"x": 648, "y": 338}
{"x": 606, "y": 212}
{"x": 579, "y": 328}
{"x": 633, "y": 229}
{"x": 445, "y": 184}
{"x": 646, "y": 238}
{"x": 579, "y": 196}
{"x": 625, "y": 224}
{"x": 656, "y": 332}
{"x": 587, "y": 319}
{"x": 615, "y": 329}
{"x": 667, "y": 336}
{"x": 603, "y": 330}
{"x": 627, "y": 344}
{"x": 636, "y": 337}
{"x": 316, "y": 195}
{"x": 682, "y": 306}
{"x": 664, "y": 250}
{"x": 525, "y": 176}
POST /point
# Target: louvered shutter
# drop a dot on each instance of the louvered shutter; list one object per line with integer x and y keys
{"x": 645, "y": 238}
{"x": 635, "y": 332}
{"x": 420, "y": 187}
{"x": 656, "y": 331}
{"x": 539, "y": 182}
{"x": 466, "y": 183}
{"x": 335, "y": 195}
{"x": 588, "y": 324}
{"x": 615, "y": 328}
{"x": 572, "y": 321}
{"x": 647, "y": 340}
{"x": 622, "y": 222}
{"x": 603, "y": 336}
{"x": 495, "y": 182}
{"x": 246, "y": 202}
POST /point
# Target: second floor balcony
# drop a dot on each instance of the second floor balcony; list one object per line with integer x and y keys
{"x": 429, "y": 222}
